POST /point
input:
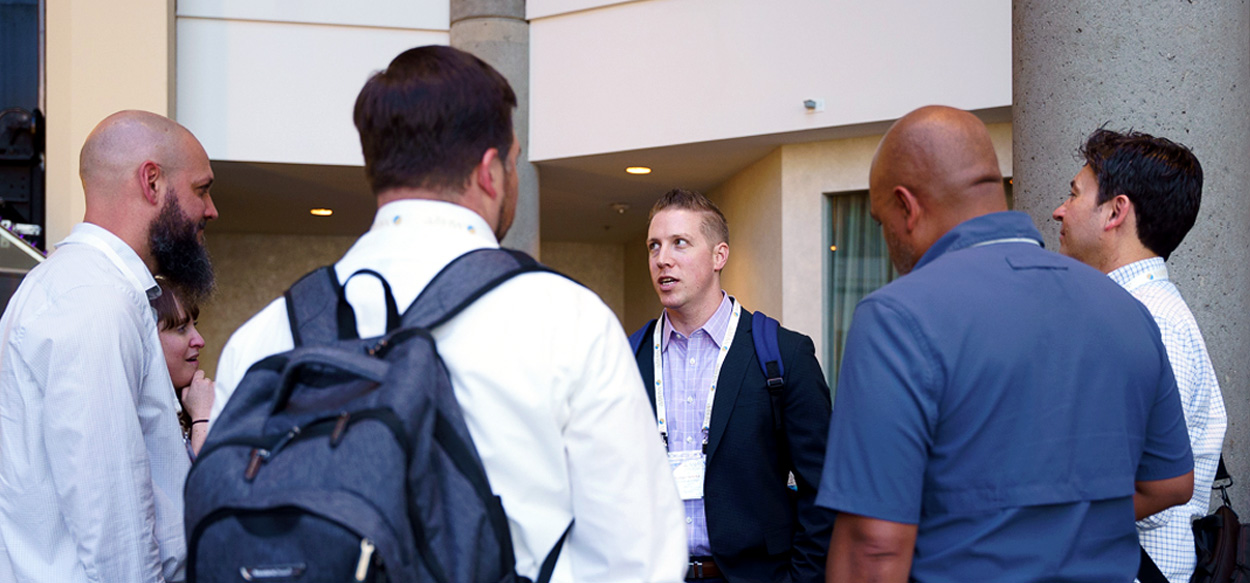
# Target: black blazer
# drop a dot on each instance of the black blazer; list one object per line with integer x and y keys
{"x": 759, "y": 529}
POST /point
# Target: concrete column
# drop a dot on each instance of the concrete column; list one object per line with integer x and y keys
{"x": 1180, "y": 70}
{"x": 497, "y": 32}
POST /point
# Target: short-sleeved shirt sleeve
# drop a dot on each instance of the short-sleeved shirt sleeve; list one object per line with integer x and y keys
{"x": 1166, "y": 452}
{"x": 883, "y": 418}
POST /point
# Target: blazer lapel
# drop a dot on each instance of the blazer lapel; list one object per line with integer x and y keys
{"x": 729, "y": 383}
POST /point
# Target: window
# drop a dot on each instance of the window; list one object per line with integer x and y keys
{"x": 858, "y": 264}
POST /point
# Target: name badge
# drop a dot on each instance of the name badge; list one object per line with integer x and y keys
{"x": 688, "y": 468}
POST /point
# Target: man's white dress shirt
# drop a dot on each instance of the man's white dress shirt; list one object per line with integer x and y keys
{"x": 91, "y": 456}
{"x": 1168, "y": 536}
{"x": 550, "y": 393}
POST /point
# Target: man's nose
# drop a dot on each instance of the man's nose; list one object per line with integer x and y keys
{"x": 210, "y": 211}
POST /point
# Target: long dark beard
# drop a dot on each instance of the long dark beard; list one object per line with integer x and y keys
{"x": 179, "y": 255}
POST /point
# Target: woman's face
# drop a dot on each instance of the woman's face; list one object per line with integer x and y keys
{"x": 182, "y": 351}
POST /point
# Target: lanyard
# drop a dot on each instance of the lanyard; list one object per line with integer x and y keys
{"x": 1156, "y": 272}
{"x": 660, "y": 412}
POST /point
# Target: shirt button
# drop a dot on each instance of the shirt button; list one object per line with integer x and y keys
{"x": 689, "y": 520}
{"x": 689, "y": 439}
{"x": 691, "y": 361}
{"x": 690, "y": 399}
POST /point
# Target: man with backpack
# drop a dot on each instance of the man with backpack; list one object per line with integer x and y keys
{"x": 539, "y": 365}
{"x": 741, "y": 405}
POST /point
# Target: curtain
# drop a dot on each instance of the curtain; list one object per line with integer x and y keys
{"x": 860, "y": 265}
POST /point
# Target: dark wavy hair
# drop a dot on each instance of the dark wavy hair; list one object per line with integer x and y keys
{"x": 1162, "y": 178}
{"x": 426, "y": 119}
{"x": 167, "y": 316}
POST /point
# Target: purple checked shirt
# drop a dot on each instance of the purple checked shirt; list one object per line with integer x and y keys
{"x": 689, "y": 365}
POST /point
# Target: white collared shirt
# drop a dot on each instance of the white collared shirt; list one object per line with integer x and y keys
{"x": 550, "y": 393}
{"x": 1168, "y": 536}
{"x": 91, "y": 457}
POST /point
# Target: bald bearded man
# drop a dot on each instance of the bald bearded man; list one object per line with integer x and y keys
{"x": 91, "y": 458}
{"x": 1003, "y": 412}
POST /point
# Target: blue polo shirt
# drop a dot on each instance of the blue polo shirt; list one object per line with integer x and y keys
{"x": 1004, "y": 399}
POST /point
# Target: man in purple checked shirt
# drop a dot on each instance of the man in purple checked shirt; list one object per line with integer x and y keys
{"x": 748, "y": 485}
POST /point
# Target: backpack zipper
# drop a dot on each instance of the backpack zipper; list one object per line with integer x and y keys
{"x": 366, "y": 556}
{"x": 264, "y": 448}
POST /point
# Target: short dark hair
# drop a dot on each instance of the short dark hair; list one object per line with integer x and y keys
{"x": 714, "y": 226}
{"x": 167, "y": 316}
{"x": 426, "y": 119}
{"x": 1162, "y": 178}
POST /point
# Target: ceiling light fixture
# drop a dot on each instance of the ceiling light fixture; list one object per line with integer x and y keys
{"x": 639, "y": 170}
{"x": 321, "y": 212}
{"x": 620, "y": 207}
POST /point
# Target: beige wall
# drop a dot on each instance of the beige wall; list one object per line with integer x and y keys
{"x": 600, "y": 267}
{"x": 102, "y": 57}
{"x": 253, "y": 270}
{"x": 753, "y": 203}
{"x": 641, "y": 303}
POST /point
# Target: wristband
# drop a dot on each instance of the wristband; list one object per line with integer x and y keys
{"x": 199, "y": 421}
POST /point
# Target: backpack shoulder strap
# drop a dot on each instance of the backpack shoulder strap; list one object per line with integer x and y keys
{"x": 466, "y": 279}
{"x": 318, "y": 312}
{"x": 310, "y": 307}
{"x": 635, "y": 339}
{"x": 764, "y": 332}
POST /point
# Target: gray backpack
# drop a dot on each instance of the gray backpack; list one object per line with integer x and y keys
{"x": 348, "y": 459}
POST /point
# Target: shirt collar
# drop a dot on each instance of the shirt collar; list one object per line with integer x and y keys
{"x": 1127, "y": 273}
{"x": 433, "y": 214}
{"x": 974, "y": 231}
{"x": 118, "y": 253}
{"x": 716, "y": 326}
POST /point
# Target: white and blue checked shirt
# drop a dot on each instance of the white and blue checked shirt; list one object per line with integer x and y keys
{"x": 1168, "y": 536}
{"x": 689, "y": 363}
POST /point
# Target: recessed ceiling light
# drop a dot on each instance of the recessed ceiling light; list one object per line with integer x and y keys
{"x": 321, "y": 212}
{"x": 638, "y": 170}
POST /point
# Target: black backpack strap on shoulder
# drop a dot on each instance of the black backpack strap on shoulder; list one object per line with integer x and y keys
{"x": 549, "y": 564}
{"x": 466, "y": 279}
{"x": 318, "y": 312}
{"x": 641, "y": 334}
{"x": 764, "y": 332}
{"x": 310, "y": 307}
{"x": 1148, "y": 571}
{"x": 347, "y": 316}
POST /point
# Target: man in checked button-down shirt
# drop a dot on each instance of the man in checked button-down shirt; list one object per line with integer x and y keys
{"x": 1131, "y": 205}
{"x": 731, "y": 457}
{"x": 92, "y": 461}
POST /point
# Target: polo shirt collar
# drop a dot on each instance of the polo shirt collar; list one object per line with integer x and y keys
{"x": 982, "y": 229}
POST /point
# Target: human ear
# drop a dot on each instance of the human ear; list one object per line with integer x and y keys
{"x": 1120, "y": 207}
{"x": 484, "y": 173}
{"x": 911, "y": 207}
{"x": 720, "y": 256}
{"x": 150, "y": 177}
